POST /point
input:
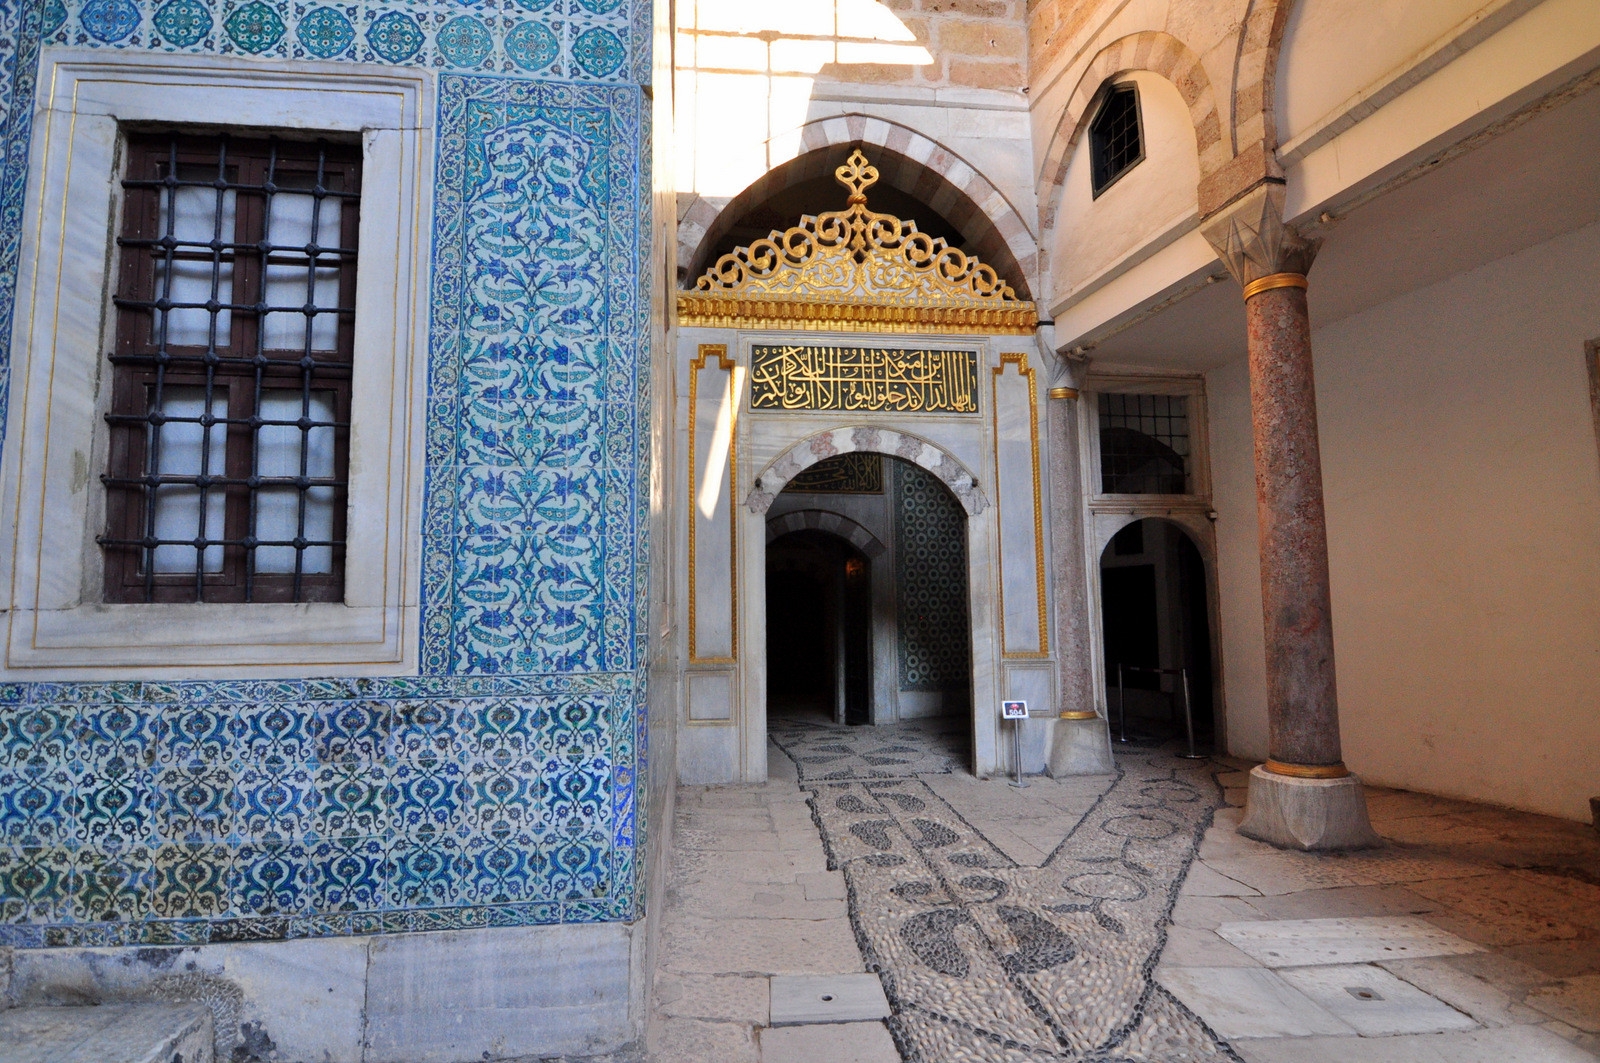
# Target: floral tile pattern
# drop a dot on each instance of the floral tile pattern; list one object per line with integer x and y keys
{"x": 267, "y": 810}
{"x": 574, "y": 40}
{"x": 533, "y": 499}
{"x": 499, "y": 787}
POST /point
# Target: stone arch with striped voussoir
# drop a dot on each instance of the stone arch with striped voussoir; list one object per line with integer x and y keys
{"x": 826, "y": 521}
{"x": 1159, "y": 53}
{"x": 867, "y": 439}
{"x": 996, "y": 232}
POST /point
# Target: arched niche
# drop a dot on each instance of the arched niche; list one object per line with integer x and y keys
{"x": 919, "y": 180}
{"x": 1159, "y": 195}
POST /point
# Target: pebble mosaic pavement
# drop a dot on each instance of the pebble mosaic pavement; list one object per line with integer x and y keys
{"x": 985, "y": 959}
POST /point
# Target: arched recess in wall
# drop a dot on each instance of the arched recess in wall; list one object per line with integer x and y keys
{"x": 918, "y": 180}
{"x": 826, "y": 521}
{"x": 1154, "y": 202}
{"x": 1153, "y": 51}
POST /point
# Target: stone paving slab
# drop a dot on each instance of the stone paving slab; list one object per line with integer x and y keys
{"x": 1374, "y": 1002}
{"x": 1249, "y": 1002}
{"x": 1512, "y": 1044}
{"x": 823, "y": 998}
{"x": 856, "y": 1042}
{"x": 1320, "y": 942}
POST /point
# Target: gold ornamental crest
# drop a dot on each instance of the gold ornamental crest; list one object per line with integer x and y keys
{"x": 855, "y": 270}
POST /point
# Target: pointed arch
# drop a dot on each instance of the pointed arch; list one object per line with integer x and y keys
{"x": 827, "y": 521}
{"x": 867, "y": 439}
{"x": 908, "y": 161}
{"x": 1159, "y": 53}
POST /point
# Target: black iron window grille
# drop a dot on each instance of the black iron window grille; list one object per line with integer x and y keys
{"x": 230, "y": 413}
{"x": 1116, "y": 142}
{"x": 1144, "y": 444}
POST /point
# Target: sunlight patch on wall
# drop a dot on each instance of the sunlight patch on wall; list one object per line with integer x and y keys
{"x": 745, "y": 74}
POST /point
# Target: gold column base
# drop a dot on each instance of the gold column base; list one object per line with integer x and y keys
{"x": 1080, "y": 714}
{"x": 1307, "y": 771}
{"x": 1275, "y": 280}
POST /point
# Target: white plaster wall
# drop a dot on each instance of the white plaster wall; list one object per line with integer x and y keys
{"x": 1093, "y": 235}
{"x": 1463, "y": 491}
{"x": 1333, "y": 49}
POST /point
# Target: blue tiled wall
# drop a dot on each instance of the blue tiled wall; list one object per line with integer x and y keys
{"x": 499, "y": 787}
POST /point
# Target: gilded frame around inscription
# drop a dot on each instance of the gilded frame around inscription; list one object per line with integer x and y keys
{"x": 791, "y": 376}
{"x": 719, "y": 351}
{"x": 1027, "y": 371}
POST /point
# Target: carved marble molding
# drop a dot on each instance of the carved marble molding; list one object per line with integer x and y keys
{"x": 806, "y": 453}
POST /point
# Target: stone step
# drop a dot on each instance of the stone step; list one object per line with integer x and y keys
{"x": 109, "y": 1033}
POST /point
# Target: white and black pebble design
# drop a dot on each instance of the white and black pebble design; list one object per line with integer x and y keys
{"x": 824, "y": 752}
{"x": 983, "y": 959}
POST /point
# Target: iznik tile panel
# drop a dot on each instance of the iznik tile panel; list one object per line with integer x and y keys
{"x": 194, "y": 812}
{"x": 532, "y": 515}
{"x": 580, "y": 40}
{"x": 500, "y": 789}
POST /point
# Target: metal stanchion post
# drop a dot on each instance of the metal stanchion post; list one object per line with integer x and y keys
{"x": 1122, "y": 708}
{"x": 1016, "y": 753}
{"x": 1188, "y": 718}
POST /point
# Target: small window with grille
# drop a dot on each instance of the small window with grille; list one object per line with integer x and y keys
{"x": 1116, "y": 142}
{"x": 1144, "y": 444}
{"x": 228, "y": 462}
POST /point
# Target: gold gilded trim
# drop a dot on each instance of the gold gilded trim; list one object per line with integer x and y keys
{"x": 727, "y": 365}
{"x": 699, "y": 310}
{"x": 1274, "y": 280}
{"x": 1307, "y": 771}
{"x": 1080, "y": 714}
{"x": 1063, "y": 393}
{"x": 855, "y": 270}
{"x": 791, "y": 376}
{"x": 1027, "y": 371}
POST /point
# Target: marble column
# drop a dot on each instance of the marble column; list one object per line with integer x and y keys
{"x": 1303, "y": 796}
{"x": 1081, "y": 743}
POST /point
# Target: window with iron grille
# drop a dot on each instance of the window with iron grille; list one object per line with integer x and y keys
{"x": 1144, "y": 444}
{"x": 228, "y": 470}
{"x": 1116, "y": 142}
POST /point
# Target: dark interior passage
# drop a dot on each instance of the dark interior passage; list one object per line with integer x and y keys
{"x": 819, "y": 617}
{"x": 1155, "y": 616}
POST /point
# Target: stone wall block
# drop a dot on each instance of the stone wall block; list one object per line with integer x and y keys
{"x": 985, "y": 39}
{"x": 980, "y": 75}
{"x": 1144, "y": 49}
{"x": 452, "y": 996}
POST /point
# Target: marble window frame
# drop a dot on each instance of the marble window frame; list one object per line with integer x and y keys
{"x": 51, "y": 568}
{"x": 1191, "y": 387}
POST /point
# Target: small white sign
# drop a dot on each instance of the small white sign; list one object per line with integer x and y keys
{"x": 1013, "y": 710}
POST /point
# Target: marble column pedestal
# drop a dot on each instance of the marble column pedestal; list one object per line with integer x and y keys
{"x": 1308, "y": 814}
{"x": 1081, "y": 747}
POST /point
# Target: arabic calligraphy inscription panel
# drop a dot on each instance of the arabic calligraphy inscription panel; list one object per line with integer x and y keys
{"x": 878, "y": 379}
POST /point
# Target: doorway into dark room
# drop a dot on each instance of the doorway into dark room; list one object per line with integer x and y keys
{"x": 819, "y": 628}
{"x": 1156, "y": 620}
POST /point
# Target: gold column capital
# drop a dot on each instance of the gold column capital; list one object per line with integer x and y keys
{"x": 1063, "y": 393}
